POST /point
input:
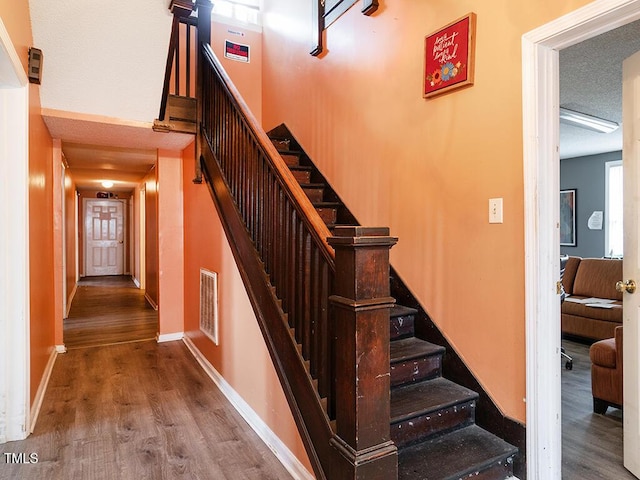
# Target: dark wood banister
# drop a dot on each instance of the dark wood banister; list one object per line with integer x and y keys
{"x": 292, "y": 188}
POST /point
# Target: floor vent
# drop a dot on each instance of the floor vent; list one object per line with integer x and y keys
{"x": 209, "y": 304}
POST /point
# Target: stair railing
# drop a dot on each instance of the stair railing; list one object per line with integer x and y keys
{"x": 179, "y": 76}
{"x": 322, "y": 301}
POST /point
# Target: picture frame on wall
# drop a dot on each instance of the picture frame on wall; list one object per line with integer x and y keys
{"x": 568, "y": 236}
{"x": 449, "y": 56}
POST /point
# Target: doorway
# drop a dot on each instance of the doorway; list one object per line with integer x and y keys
{"x": 542, "y": 253}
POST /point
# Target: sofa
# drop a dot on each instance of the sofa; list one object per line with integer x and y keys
{"x": 591, "y": 278}
{"x": 606, "y": 372}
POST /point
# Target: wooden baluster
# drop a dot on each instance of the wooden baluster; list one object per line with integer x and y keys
{"x": 204, "y": 37}
{"x": 360, "y": 309}
{"x": 188, "y": 59}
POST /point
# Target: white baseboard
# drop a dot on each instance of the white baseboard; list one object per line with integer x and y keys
{"x": 169, "y": 337}
{"x": 42, "y": 388}
{"x": 153, "y": 304}
{"x": 281, "y": 451}
{"x": 70, "y": 301}
{"x": 61, "y": 348}
{"x": 135, "y": 281}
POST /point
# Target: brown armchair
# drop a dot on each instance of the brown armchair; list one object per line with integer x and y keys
{"x": 606, "y": 372}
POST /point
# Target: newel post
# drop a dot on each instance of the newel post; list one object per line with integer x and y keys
{"x": 360, "y": 307}
{"x": 204, "y": 8}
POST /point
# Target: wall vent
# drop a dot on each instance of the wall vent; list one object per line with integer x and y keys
{"x": 209, "y": 304}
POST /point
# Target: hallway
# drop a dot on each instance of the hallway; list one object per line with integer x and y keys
{"x": 121, "y": 406}
{"x": 108, "y": 310}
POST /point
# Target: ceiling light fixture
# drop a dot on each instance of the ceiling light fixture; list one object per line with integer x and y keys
{"x": 589, "y": 122}
{"x": 107, "y": 183}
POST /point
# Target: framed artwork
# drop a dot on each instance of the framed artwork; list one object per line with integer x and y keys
{"x": 449, "y": 53}
{"x": 568, "y": 218}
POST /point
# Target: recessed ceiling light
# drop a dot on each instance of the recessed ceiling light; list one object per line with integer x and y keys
{"x": 589, "y": 122}
{"x": 107, "y": 183}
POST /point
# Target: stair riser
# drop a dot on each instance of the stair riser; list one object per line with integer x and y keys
{"x": 302, "y": 176}
{"x": 416, "y": 370}
{"x": 328, "y": 215}
{"x": 281, "y": 144}
{"x": 402, "y": 327}
{"x": 422, "y": 427}
{"x": 314, "y": 194}
{"x": 290, "y": 160}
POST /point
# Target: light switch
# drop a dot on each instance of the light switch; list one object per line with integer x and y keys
{"x": 495, "y": 210}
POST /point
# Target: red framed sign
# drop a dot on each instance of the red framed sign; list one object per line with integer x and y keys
{"x": 449, "y": 54}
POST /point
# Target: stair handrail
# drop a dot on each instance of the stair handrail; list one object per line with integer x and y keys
{"x": 292, "y": 188}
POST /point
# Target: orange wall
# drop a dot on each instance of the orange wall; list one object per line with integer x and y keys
{"x": 71, "y": 235}
{"x": 170, "y": 242}
{"x": 151, "y": 237}
{"x": 426, "y": 168}
{"x": 246, "y": 76}
{"x": 15, "y": 16}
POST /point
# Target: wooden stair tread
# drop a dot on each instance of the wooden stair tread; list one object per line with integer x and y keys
{"x": 284, "y": 151}
{"x": 402, "y": 311}
{"x": 304, "y": 168}
{"x": 327, "y": 204}
{"x": 313, "y": 185}
{"x": 411, "y": 348}
{"x": 455, "y": 455}
{"x": 428, "y": 396}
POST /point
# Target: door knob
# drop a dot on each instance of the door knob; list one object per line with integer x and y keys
{"x": 629, "y": 286}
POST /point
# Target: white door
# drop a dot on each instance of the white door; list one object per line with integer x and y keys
{"x": 104, "y": 236}
{"x": 631, "y": 264}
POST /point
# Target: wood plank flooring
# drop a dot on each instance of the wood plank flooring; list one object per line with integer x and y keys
{"x": 591, "y": 443}
{"x": 138, "y": 411}
{"x": 107, "y": 310}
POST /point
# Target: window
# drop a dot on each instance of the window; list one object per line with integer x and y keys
{"x": 613, "y": 209}
{"x": 243, "y": 11}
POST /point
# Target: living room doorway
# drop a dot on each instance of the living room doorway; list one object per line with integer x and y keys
{"x": 591, "y": 177}
{"x": 541, "y": 167}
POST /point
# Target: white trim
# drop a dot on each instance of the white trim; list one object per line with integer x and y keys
{"x": 153, "y": 304}
{"x": 169, "y": 337}
{"x": 135, "y": 281}
{"x": 288, "y": 459}
{"x": 73, "y": 295}
{"x": 42, "y": 388}
{"x": 61, "y": 348}
{"x": 14, "y": 244}
{"x": 540, "y": 90}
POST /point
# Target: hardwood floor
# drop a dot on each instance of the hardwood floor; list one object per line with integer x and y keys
{"x": 591, "y": 443}
{"x": 138, "y": 411}
{"x": 107, "y": 310}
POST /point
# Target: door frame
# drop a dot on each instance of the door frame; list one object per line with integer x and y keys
{"x": 14, "y": 237}
{"x": 540, "y": 99}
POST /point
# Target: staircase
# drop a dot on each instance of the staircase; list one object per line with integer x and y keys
{"x": 365, "y": 387}
{"x": 432, "y": 418}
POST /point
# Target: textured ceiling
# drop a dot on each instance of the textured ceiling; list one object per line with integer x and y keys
{"x": 591, "y": 83}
